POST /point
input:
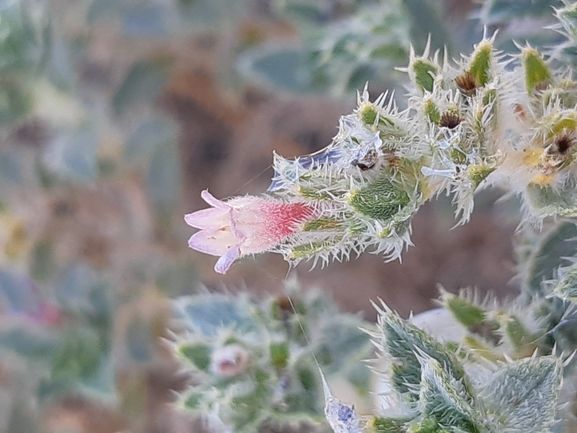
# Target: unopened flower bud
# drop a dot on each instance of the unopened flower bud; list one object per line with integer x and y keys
{"x": 229, "y": 361}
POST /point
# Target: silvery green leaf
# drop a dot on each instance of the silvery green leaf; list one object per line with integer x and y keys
{"x": 499, "y": 11}
{"x": 549, "y": 254}
{"x": 287, "y": 68}
{"x": 523, "y": 394}
{"x": 400, "y": 342}
{"x": 163, "y": 176}
{"x": 446, "y": 400}
{"x": 144, "y": 81}
{"x": 73, "y": 155}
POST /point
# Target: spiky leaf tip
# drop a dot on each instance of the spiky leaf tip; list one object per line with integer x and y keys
{"x": 196, "y": 353}
{"x": 423, "y": 73}
{"x": 567, "y": 17}
{"x": 401, "y": 341}
{"x": 481, "y": 62}
{"x": 537, "y": 73}
{"x": 464, "y": 311}
{"x": 566, "y": 287}
{"x": 445, "y": 399}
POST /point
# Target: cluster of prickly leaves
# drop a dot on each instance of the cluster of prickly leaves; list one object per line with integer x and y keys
{"x": 255, "y": 364}
{"x": 541, "y": 322}
{"x": 439, "y": 387}
{"x": 489, "y": 119}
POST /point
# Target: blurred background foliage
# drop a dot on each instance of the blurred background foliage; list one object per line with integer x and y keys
{"x": 114, "y": 115}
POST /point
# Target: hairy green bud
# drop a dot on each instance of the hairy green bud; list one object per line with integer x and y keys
{"x": 432, "y": 112}
{"x": 380, "y": 199}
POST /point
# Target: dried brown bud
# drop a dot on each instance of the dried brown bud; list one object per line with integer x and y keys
{"x": 466, "y": 83}
{"x": 520, "y": 111}
{"x": 367, "y": 161}
{"x": 284, "y": 303}
{"x": 541, "y": 85}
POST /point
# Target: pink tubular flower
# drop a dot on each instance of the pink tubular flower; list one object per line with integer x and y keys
{"x": 243, "y": 225}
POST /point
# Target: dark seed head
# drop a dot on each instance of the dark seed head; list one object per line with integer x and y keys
{"x": 450, "y": 120}
{"x": 564, "y": 142}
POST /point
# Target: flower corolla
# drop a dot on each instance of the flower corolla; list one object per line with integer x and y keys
{"x": 244, "y": 225}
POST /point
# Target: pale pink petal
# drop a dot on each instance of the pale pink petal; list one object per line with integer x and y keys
{"x": 225, "y": 262}
{"x": 214, "y": 242}
{"x": 232, "y": 222}
{"x": 208, "y": 218}
{"x": 213, "y": 201}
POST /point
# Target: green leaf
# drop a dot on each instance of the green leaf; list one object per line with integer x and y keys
{"x": 197, "y": 353}
{"x": 278, "y": 67}
{"x": 206, "y": 15}
{"x": 464, "y": 311}
{"x": 73, "y": 155}
{"x": 100, "y": 384}
{"x": 38, "y": 344}
{"x": 85, "y": 293}
{"x": 163, "y": 176}
{"x": 193, "y": 401}
{"x": 548, "y": 255}
{"x": 566, "y": 287}
{"x": 517, "y": 333}
{"x": 423, "y": 72}
{"x": 148, "y": 20}
{"x": 446, "y": 400}
{"x": 177, "y": 278}
{"x": 400, "y": 342}
{"x": 536, "y": 70}
{"x": 78, "y": 356}
{"x": 151, "y": 134}
{"x": 568, "y": 18}
{"x": 427, "y": 22}
{"x": 249, "y": 410}
{"x": 548, "y": 201}
{"x": 139, "y": 340}
{"x": 279, "y": 355}
{"x": 481, "y": 62}
{"x": 208, "y": 313}
{"x": 524, "y": 394}
{"x": 16, "y": 100}
{"x": 42, "y": 264}
{"x": 388, "y": 425}
{"x": 23, "y": 40}
{"x": 503, "y": 11}
{"x": 341, "y": 340}
{"x": 108, "y": 9}
{"x": 142, "y": 84}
